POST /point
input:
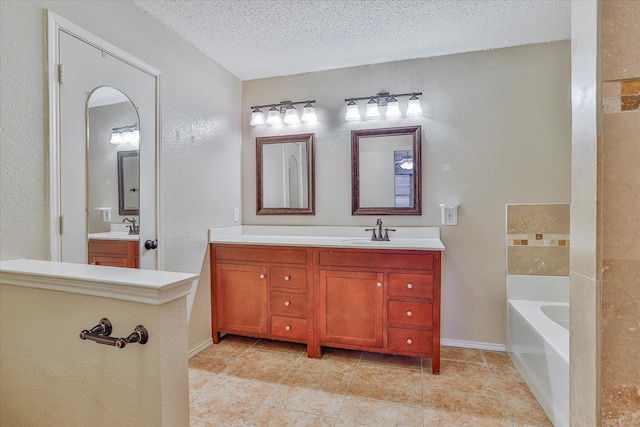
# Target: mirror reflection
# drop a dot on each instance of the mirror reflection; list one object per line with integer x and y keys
{"x": 284, "y": 175}
{"x": 113, "y": 161}
{"x": 386, "y": 171}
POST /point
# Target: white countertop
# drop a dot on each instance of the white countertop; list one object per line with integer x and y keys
{"x": 145, "y": 286}
{"x": 415, "y": 238}
{"x": 114, "y": 235}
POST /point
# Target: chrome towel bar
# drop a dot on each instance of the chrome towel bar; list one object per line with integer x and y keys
{"x": 100, "y": 334}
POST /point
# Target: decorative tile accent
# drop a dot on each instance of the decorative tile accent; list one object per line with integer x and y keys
{"x": 620, "y": 96}
{"x": 538, "y": 239}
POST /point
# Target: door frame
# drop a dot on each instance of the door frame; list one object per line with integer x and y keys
{"x": 56, "y": 23}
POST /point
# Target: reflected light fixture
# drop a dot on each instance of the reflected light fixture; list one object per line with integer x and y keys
{"x": 372, "y": 110}
{"x": 274, "y": 114}
{"x": 352, "y": 111}
{"x": 125, "y": 135}
{"x": 384, "y": 99}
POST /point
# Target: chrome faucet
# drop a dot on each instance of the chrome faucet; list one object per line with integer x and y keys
{"x": 380, "y": 237}
{"x": 133, "y": 228}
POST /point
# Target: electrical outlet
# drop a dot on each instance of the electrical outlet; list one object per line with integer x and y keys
{"x": 236, "y": 214}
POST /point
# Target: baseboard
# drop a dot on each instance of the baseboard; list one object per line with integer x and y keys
{"x": 200, "y": 347}
{"x": 474, "y": 344}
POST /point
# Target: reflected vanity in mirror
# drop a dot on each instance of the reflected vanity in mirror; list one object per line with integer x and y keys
{"x": 113, "y": 179}
{"x": 284, "y": 175}
{"x": 386, "y": 171}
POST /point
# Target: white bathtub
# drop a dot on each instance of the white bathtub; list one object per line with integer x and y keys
{"x": 538, "y": 339}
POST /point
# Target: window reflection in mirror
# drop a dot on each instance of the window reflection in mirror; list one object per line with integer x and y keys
{"x": 284, "y": 175}
{"x": 386, "y": 171}
{"x": 109, "y": 109}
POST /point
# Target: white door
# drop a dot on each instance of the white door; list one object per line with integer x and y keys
{"x": 86, "y": 67}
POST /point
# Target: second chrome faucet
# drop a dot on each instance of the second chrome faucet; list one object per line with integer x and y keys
{"x": 379, "y": 237}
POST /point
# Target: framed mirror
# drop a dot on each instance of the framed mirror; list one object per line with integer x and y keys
{"x": 128, "y": 183}
{"x": 284, "y": 175}
{"x": 386, "y": 171}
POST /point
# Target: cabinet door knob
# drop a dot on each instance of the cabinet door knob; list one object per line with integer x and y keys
{"x": 287, "y": 303}
{"x": 409, "y": 286}
{"x": 379, "y": 284}
{"x": 287, "y": 278}
{"x": 287, "y": 328}
{"x": 262, "y": 276}
{"x": 409, "y": 313}
{"x": 409, "y": 341}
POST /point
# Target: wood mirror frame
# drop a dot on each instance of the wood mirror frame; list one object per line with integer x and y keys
{"x": 416, "y": 207}
{"x": 308, "y": 189}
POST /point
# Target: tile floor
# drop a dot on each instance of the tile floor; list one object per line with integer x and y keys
{"x": 251, "y": 382}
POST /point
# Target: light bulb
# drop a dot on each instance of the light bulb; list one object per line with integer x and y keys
{"x": 414, "y": 109}
{"x": 393, "y": 109}
{"x": 352, "y": 111}
{"x": 273, "y": 117}
{"x": 116, "y": 138}
{"x": 291, "y": 115}
{"x": 257, "y": 117}
{"x": 309, "y": 114}
{"x": 372, "y": 110}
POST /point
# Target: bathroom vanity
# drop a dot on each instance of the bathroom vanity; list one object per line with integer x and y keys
{"x": 329, "y": 287}
{"x": 113, "y": 249}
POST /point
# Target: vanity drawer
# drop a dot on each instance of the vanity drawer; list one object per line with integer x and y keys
{"x": 410, "y": 314}
{"x": 290, "y": 278}
{"x": 411, "y": 285}
{"x": 379, "y": 259}
{"x": 410, "y": 340}
{"x": 288, "y": 304}
{"x": 260, "y": 254}
{"x": 111, "y": 247}
{"x": 289, "y": 327}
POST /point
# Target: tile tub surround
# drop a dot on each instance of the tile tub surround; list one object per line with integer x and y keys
{"x": 538, "y": 239}
{"x": 259, "y": 382}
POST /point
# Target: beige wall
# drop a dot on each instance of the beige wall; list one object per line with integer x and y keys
{"x": 201, "y": 132}
{"x": 605, "y": 259}
{"x": 52, "y": 377}
{"x": 496, "y": 130}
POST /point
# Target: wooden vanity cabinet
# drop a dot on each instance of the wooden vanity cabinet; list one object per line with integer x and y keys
{"x": 261, "y": 291}
{"x": 378, "y": 300}
{"x": 385, "y": 301}
{"x": 114, "y": 253}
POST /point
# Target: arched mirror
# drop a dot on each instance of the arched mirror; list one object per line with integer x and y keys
{"x": 284, "y": 175}
{"x": 386, "y": 171}
{"x": 113, "y": 167}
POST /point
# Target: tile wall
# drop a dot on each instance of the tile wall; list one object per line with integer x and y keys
{"x": 538, "y": 239}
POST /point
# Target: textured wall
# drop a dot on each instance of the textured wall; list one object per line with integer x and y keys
{"x": 538, "y": 239}
{"x": 496, "y": 130}
{"x": 201, "y": 132}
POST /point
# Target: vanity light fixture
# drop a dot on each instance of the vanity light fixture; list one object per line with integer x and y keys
{"x": 384, "y": 99}
{"x": 274, "y": 115}
{"x": 125, "y": 135}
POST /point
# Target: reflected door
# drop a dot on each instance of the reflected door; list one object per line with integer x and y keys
{"x": 85, "y": 69}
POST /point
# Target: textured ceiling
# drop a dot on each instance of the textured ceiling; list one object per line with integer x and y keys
{"x": 264, "y": 38}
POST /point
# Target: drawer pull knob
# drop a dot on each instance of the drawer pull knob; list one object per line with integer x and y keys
{"x": 409, "y": 314}
{"x": 287, "y": 328}
{"x": 262, "y": 276}
{"x": 409, "y": 341}
{"x": 287, "y": 303}
{"x": 287, "y": 278}
{"x": 379, "y": 284}
{"x": 409, "y": 286}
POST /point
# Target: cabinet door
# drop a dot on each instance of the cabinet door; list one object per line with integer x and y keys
{"x": 241, "y": 298}
{"x": 351, "y": 308}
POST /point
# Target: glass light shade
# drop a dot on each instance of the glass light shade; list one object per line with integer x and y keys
{"x": 273, "y": 117}
{"x": 414, "y": 108}
{"x": 372, "y": 110}
{"x": 393, "y": 109}
{"x": 136, "y": 136}
{"x": 352, "y": 111}
{"x": 309, "y": 114}
{"x": 116, "y": 138}
{"x": 257, "y": 117}
{"x": 291, "y": 116}
{"x": 406, "y": 164}
{"x": 128, "y": 137}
